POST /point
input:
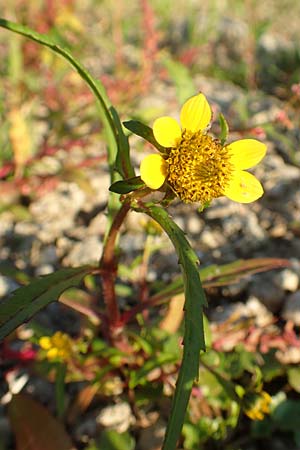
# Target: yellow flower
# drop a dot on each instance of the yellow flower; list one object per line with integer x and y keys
{"x": 258, "y": 405}
{"x": 57, "y": 347}
{"x": 196, "y": 166}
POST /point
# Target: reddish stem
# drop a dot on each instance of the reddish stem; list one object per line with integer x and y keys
{"x": 108, "y": 267}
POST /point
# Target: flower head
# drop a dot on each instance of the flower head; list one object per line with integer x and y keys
{"x": 258, "y": 405}
{"x": 57, "y": 347}
{"x": 197, "y": 167}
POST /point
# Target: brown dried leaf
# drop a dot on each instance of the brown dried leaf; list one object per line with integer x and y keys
{"x": 35, "y": 428}
{"x": 174, "y": 315}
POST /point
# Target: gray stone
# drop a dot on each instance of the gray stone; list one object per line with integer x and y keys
{"x": 118, "y": 417}
{"x": 55, "y": 212}
{"x": 291, "y": 309}
{"x": 44, "y": 269}
{"x": 212, "y": 238}
{"x": 85, "y": 430}
{"x": 85, "y": 252}
{"x": 287, "y": 280}
{"x": 6, "y": 223}
{"x": 265, "y": 290}
{"x": 194, "y": 225}
{"x": 151, "y": 438}
{"x": 7, "y": 285}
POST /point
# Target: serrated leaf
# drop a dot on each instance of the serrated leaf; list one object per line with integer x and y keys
{"x": 145, "y": 132}
{"x": 224, "y": 129}
{"x": 28, "y": 300}
{"x": 126, "y": 186}
{"x": 194, "y": 331}
{"x": 34, "y": 427}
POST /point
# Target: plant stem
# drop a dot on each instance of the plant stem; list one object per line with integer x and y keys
{"x": 108, "y": 266}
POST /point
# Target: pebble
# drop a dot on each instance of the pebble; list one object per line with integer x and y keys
{"x": 55, "y": 212}
{"x": 291, "y": 309}
{"x": 265, "y": 290}
{"x": 151, "y": 438}
{"x": 7, "y": 285}
{"x": 44, "y": 269}
{"x": 212, "y": 238}
{"x": 194, "y": 225}
{"x": 287, "y": 280}
{"x": 87, "y": 251}
{"x": 118, "y": 417}
{"x": 86, "y": 429}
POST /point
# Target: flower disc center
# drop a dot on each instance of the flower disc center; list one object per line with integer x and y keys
{"x": 199, "y": 168}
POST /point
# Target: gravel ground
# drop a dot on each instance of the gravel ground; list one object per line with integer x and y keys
{"x": 66, "y": 226}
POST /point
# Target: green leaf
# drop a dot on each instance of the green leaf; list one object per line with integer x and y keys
{"x": 222, "y": 275}
{"x": 224, "y": 129}
{"x": 112, "y": 440}
{"x": 145, "y": 132}
{"x": 34, "y": 427}
{"x": 227, "y": 385}
{"x": 226, "y": 274}
{"x": 294, "y": 378}
{"x": 27, "y": 301}
{"x": 123, "y": 163}
{"x": 126, "y": 186}
{"x": 194, "y": 333}
{"x": 140, "y": 376}
{"x": 287, "y": 415}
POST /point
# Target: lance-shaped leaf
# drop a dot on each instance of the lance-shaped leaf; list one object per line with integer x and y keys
{"x": 122, "y": 163}
{"x": 126, "y": 186}
{"x": 28, "y": 300}
{"x": 145, "y": 132}
{"x": 221, "y": 275}
{"x": 193, "y": 339}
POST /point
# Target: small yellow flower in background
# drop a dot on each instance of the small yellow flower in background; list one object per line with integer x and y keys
{"x": 258, "y": 405}
{"x": 57, "y": 347}
{"x": 196, "y": 166}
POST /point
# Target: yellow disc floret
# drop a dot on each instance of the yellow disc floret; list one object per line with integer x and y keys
{"x": 199, "y": 168}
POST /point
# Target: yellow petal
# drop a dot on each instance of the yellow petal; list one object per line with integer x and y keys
{"x": 154, "y": 170}
{"x": 195, "y": 114}
{"x": 244, "y": 187}
{"x": 45, "y": 342}
{"x": 166, "y": 131}
{"x": 246, "y": 153}
{"x": 52, "y": 353}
